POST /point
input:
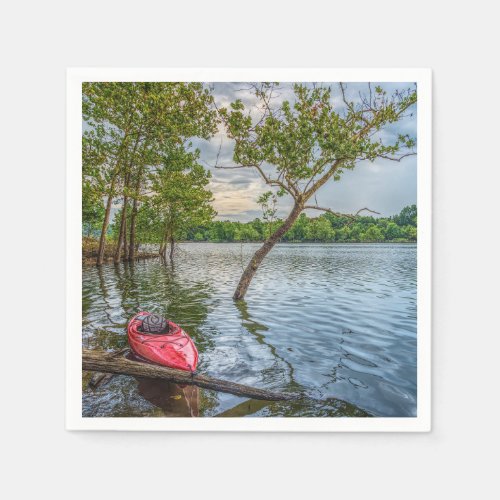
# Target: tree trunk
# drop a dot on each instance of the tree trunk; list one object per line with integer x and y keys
{"x": 123, "y": 229}
{"x": 167, "y": 237}
{"x": 100, "y": 361}
{"x": 165, "y": 246}
{"x": 118, "y": 250}
{"x": 125, "y": 246}
{"x": 161, "y": 251}
{"x": 259, "y": 255}
{"x": 172, "y": 243}
{"x": 132, "y": 245}
{"x": 105, "y": 223}
{"x": 122, "y": 239}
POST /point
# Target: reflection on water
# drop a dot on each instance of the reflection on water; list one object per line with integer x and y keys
{"x": 335, "y": 321}
{"x": 173, "y": 399}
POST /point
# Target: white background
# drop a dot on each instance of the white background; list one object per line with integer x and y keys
{"x": 458, "y": 41}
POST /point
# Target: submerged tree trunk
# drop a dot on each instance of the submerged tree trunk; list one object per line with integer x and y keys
{"x": 259, "y": 255}
{"x": 161, "y": 251}
{"x": 172, "y": 247}
{"x": 168, "y": 240}
{"x": 105, "y": 224}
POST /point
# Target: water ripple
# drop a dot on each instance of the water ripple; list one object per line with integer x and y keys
{"x": 335, "y": 320}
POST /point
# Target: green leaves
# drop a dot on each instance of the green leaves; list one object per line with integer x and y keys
{"x": 135, "y": 144}
{"x": 179, "y": 200}
{"x": 237, "y": 105}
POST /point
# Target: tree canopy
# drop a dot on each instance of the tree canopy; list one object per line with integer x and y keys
{"x": 137, "y": 135}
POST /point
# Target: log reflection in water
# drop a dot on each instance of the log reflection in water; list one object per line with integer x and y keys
{"x": 173, "y": 399}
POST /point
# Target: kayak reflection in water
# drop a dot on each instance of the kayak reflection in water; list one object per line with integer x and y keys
{"x": 173, "y": 399}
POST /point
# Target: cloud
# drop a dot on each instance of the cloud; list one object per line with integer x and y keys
{"x": 383, "y": 186}
{"x": 236, "y": 196}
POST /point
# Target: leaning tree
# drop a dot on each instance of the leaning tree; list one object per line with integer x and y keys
{"x": 299, "y": 146}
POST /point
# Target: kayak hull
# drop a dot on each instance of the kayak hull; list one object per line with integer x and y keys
{"x": 174, "y": 349}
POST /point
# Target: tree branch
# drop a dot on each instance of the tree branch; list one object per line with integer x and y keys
{"x": 338, "y": 214}
{"x": 271, "y": 182}
{"x": 397, "y": 158}
{"x": 275, "y": 182}
{"x": 232, "y": 167}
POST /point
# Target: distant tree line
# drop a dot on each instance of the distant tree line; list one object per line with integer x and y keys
{"x": 325, "y": 228}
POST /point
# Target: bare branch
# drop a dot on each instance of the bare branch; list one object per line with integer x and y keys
{"x": 216, "y": 165}
{"x": 367, "y": 210}
{"x": 397, "y": 158}
{"x": 346, "y": 102}
{"x": 275, "y": 182}
{"x": 338, "y": 214}
{"x": 218, "y": 153}
{"x": 322, "y": 180}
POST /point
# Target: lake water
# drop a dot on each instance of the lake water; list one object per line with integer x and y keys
{"x": 335, "y": 321}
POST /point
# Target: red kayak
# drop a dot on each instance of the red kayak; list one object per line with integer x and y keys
{"x": 160, "y": 341}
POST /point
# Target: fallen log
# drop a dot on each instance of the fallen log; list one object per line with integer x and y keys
{"x": 119, "y": 363}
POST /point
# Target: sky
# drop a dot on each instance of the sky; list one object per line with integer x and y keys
{"x": 383, "y": 186}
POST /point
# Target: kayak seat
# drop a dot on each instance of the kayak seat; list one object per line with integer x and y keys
{"x": 154, "y": 324}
